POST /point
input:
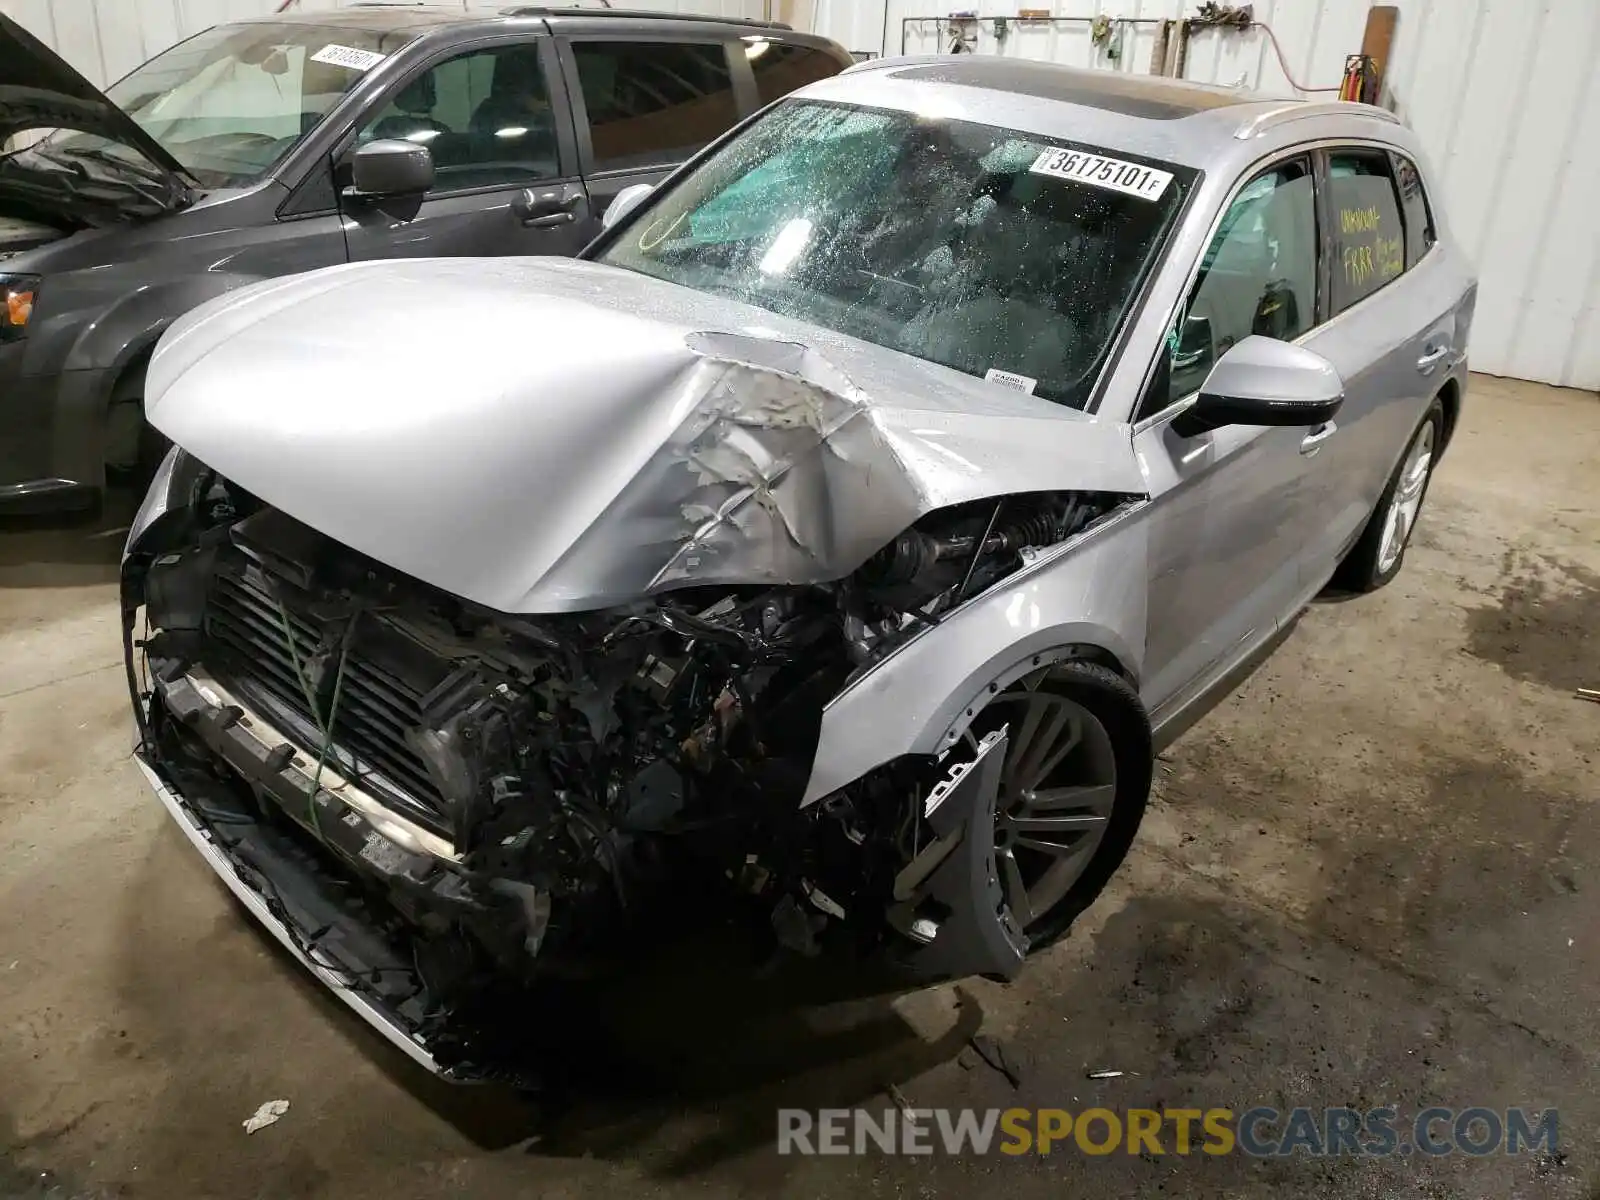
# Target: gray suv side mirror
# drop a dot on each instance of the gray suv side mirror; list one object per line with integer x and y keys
{"x": 390, "y": 168}
{"x": 1262, "y": 381}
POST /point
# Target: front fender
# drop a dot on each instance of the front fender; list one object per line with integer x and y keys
{"x": 130, "y": 325}
{"x": 1089, "y": 592}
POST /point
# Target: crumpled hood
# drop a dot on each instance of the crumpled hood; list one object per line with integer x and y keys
{"x": 543, "y": 435}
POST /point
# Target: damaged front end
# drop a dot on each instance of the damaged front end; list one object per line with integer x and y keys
{"x": 440, "y": 808}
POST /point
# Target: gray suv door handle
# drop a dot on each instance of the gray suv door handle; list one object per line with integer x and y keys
{"x": 1432, "y": 359}
{"x": 1312, "y": 442}
{"x": 546, "y": 210}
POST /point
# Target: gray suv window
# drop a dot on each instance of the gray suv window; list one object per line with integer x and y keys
{"x": 484, "y": 116}
{"x": 654, "y": 103}
{"x": 1258, "y": 276}
{"x": 780, "y": 69}
{"x": 1368, "y": 234}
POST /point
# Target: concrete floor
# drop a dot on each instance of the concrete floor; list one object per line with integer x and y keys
{"x": 1371, "y": 877}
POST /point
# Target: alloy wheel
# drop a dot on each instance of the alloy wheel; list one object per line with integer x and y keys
{"x": 1057, "y": 791}
{"x": 1406, "y": 502}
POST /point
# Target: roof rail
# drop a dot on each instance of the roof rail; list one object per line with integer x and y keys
{"x": 1299, "y": 110}
{"x": 548, "y": 10}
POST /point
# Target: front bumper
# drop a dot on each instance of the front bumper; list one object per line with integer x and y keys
{"x": 334, "y": 975}
{"x": 299, "y": 883}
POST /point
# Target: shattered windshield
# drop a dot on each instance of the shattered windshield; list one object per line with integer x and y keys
{"x": 229, "y": 103}
{"x": 1000, "y": 254}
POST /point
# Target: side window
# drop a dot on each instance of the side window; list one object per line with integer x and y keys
{"x": 653, "y": 103}
{"x": 1368, "y": 235}
{"x": 1258, "y": 276}
{"x": 485, "y": 117}
{"x": 780, "y": 69}
{"x": 1418, "y": 216}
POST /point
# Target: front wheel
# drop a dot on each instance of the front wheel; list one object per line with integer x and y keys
{"x": 1377, "y": 557}
{"x": 1072, "y": 791}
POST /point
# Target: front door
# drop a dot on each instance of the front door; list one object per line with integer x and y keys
{"x": 1230, "y": 507}
{"x": 641, "y": 107}
{"x": 506, "y": 179}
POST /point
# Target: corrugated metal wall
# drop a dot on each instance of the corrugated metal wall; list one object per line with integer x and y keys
{"x": 1504, "y": 93}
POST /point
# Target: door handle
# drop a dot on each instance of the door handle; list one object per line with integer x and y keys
{"x": 545, "y": 210}
{"x": 1431, "y": 359}
{"x": 1312, "y": 442}
{"x": 549, "y": 220}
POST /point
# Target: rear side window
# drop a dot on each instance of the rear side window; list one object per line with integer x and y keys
{"x": 1368, "y": 233}
{"x": 1414, "y": 199}
{"x": 653, "y": 103}
{"x": 780, "y": 69}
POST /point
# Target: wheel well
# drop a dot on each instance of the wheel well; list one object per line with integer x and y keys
{"x": 132, "y": 369}
{"x": 1100, "y": 656}
{"x": 1077, "y": 651}
{"x": 122, "y": 431}
{"x": 1450, "y": 401}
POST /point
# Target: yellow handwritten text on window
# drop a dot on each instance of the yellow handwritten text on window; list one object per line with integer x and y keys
{"x": 1358, "y": 220}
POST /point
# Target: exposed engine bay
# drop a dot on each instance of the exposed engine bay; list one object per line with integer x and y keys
{"x": 18, "y": 235}
{"x": 446, "y": 804}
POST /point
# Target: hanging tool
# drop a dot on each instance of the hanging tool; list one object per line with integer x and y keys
{"x": 1360, "y": 79}
{"x": 963, "y": 27}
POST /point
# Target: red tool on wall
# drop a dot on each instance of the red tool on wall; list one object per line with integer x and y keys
{"x": 1360, "y": 79}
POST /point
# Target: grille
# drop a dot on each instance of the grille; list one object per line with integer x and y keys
{"x": 376, "y": 706}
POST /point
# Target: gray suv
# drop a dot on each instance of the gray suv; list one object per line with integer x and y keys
{"x": 264, "y": 148}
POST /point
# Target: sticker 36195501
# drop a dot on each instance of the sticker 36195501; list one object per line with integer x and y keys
{"x": 348, "y": 56}
{"x": 1096, "y": 170}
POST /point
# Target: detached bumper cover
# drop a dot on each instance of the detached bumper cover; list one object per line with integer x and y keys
{"x": 337, "y": 976}
{"x": 300, "y": 889}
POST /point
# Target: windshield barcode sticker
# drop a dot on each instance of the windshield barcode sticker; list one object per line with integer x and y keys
{"x": 1098, "y": 171}
{"x": 348, "y": 56}
{"x": 1010, "y": 379}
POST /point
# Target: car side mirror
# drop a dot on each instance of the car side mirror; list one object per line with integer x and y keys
{"x": 1262, "y": 381}
{"x": 628, "y": 199}
{"x": 390, "y": 168}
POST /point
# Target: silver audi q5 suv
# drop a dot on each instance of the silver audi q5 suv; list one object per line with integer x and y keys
{"x": 847, "y": 529}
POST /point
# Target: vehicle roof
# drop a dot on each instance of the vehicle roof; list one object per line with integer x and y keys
{"x": 418, "y": 18}
{"x": 382, "y": 18}
{"x": 1192, "y": 124}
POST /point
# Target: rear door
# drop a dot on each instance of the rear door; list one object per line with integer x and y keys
{"x": 1391, "y": 336}
{"x": 641, "y": 105}
{"x": 494, "y": 115}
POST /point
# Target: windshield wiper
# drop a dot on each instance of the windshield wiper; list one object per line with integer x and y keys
{"x": 64, "y": 155}
{"x": 149, "y": 185}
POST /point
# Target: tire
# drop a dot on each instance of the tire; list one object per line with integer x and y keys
{"x": 1110, "y": 756}
{"x": 1375, "y": 559}
{"x": 133, "y": 449}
